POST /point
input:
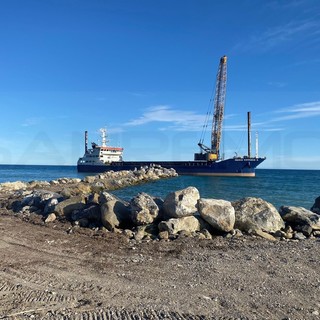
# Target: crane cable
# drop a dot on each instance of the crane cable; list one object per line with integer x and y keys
{"x": 207, "y": 117}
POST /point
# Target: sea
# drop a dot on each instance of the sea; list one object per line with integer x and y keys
{"x": 279, "y": 187}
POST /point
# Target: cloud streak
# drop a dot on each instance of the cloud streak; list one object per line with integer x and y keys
{"x": 306, "y": 30}
{"x": 30, "y": 122}
{"x": 180, "y": 120}
{"x": 299, "y": 111}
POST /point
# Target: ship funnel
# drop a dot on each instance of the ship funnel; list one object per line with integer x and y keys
{"x": 86, "y": 141}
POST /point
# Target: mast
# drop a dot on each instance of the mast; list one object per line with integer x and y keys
{"x": 249, "y": 134}
{"x": 85, "y": 141}
{"x": 257, "y": 145}
{"x": 103, "y": 133}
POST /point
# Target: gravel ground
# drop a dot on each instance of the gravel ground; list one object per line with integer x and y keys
{"x": 57, "y": 272}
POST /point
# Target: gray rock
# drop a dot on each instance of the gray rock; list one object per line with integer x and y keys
{"x": 164, "y": 235}
{"x": 316, "y": 206}
{"x": 299, "y": 236}
{"x": 50, "y": 218}
{"x": 39, "y": 198}
{"x": 218, "y": 213}
{"x": 66, "y": 207}
{"x": 9, "y": 186}
{"x": 175, "y": 225}
{"x": 299, "y": 216}
{"x": 206, "y": 234}
{"x": 128, "y": 233}
{"x": 89, "y": 179}
{"x": 143, "y": 208}
{"x": 263, "y": 234}
{"x": 50, "y": 205}
{"x": 105, "y": 197}
{"x": 181, "y": 203}
{"x": 255, "y": 213}
{"x": 91, "y": 213}
{"x": 114, "y": 214}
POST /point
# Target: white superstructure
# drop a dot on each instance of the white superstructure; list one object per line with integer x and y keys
{"x": 99, "y": 155}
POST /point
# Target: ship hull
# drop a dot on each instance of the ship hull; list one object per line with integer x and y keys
{"x": 242, "y": 167}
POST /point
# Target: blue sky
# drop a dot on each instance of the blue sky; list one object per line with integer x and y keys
{"x": 146, "y": 71}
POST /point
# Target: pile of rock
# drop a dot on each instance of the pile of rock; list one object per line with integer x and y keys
{"x": 109, "y": 180}
{"x": 181, "y": 213}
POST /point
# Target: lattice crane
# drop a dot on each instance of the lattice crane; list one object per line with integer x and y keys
{"x": 213, "y": 153}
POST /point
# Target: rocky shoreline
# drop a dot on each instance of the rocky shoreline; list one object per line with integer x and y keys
{"x": 72, "y": 250}
{"x": 87, "y": 203}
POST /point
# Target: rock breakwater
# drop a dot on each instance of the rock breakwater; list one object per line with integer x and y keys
{"x": 88, "y": 203}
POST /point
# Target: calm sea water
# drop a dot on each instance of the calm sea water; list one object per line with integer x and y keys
{"x": 280, "y": 187}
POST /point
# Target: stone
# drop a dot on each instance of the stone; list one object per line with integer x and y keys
{"x": 143, "y": 209}
{"x": 206, "y": 233}
{"x": 84, "y": 223}
{"x": 40, "y": 198}
{"x": 140, "y": 233}
{"x": 263, "y": 234}
{"x": 66, "y": 207}
{"x": 255, "y": 213}
{"x": 164, "y": 235}
{"x": 50, "y": 205}
{"x": 17, "y": 185}
{"x": 91, "y": 213}
{"x": 175, "y": 225}
{"x": 316, "y": 206}
{"x": 50, "y": 218}
{"x": 89, "y": 179}
{"x": 299, "y": 216}
{"x": 105, "y": 197}
{"x": 83, "y": 188}
{"x": 181, "y": 203}
{"x": 299, "y": 236}
{"x": 128, "y": 233}
{"x": 218, "y": 213}
{"x": 114, "y": 214}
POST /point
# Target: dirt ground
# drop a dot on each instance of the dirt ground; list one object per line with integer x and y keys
{"x": 54, "y": 272}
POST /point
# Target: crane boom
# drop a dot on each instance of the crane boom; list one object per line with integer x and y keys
{"x": 212, "y": 153}
{"x": 219, "y": 101}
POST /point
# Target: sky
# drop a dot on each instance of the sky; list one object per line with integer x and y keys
{"x": 146, "y": 70}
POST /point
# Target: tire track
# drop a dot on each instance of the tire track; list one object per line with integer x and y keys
{"x": 120, "y": 314}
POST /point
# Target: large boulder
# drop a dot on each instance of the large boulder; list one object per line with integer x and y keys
{"x": 144, "y": 209}
{"x": 181, "y": 203}
{"x": 39, "y": 198}
{"x": 218, "y": 213}
{"x": 255, "y": 213}
{"x": 115, "y": 213}
{"x": 175, "y": 225}
{"x": 299, "y": 216}
{"x": 316, "y": 206}
{"x": 91, "y": 213}
{"x": 66, "y": 207}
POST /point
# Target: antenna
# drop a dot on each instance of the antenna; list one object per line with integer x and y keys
{"x": 103, "y": 133}
{"x": 257, "y": 145}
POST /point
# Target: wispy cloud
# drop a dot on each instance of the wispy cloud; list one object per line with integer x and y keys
{"x": 182, "y": 120}
{"x": 277, "y": 84}
{"x": 299, "y": 111}
{"x": 29, "y": 122}
{"x": 307, "y": 29}
{"x": 179, "y": 120}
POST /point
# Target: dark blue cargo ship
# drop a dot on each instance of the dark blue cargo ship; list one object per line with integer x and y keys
{"x": 206, "y": 163}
